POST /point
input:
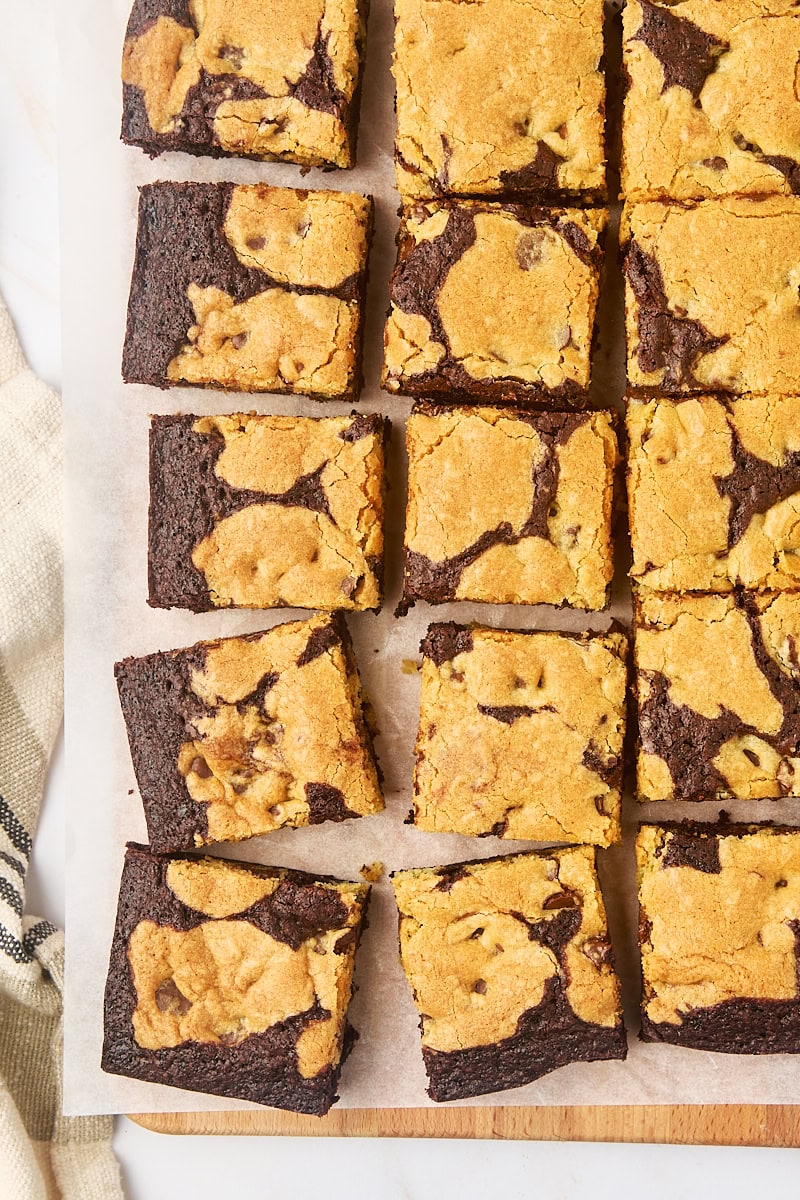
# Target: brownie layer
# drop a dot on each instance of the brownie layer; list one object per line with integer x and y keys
{"x": 253, "y": 288}
{"x": 241, "y": 736}
{"x": 537, "y": 529}
{"x": 222, "y": 79}
{"x": 264, "y": 512}
{"x": 511, "y": 969}
{"x": 494, "y": 302}
{"x": 720, "y": 937}
{"x": 201, "y": 1038}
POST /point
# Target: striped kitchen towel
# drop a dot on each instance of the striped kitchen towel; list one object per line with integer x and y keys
{"x": 42, "y": 1153}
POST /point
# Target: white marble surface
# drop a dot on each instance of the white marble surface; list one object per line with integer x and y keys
{"x": 157, "y": 1167}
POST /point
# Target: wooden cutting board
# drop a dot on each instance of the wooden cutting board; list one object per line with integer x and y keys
{"x": 707, "y": 1124}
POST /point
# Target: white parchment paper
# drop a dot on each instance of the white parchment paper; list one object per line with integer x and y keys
{"x": 108, "y": 618}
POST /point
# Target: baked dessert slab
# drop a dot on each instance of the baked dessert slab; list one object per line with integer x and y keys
{"x": 499, "y": 97}
{"x": 508, "y": 506}
{"x": 718, "y": 692}
{"x": 276, "y": 81}
{"x": 494, "y": 302}
{"x": 511, "y": 969}
{"x": 711, "y": 295}
{"x": 720, "y": 936}
{"x": 232, "y": 978}
{"x": 240, "y": 736}
{"x": 694, "y": 125}
{"x": 521, "y": 734}
{"x": 714, "y": 492}
{"x": 248, "y": 287}
{"x": 266, "y": 511}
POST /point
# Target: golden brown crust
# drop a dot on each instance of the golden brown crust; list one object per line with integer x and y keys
{"x": 537, "y": 527}
{"x": 499, "y": 97}
{"x": 696, "y": 124}
{"x": 276, "y": 82}
{"x": 486, "y": 297}
{"x": 475, "y": 947}
{"x": 718, "y": 689}
{"x": 720, "y": 916}
{"x": 712, "y": 295}
{"x": 714, "y": 492}
{"x": 521, "y": 734}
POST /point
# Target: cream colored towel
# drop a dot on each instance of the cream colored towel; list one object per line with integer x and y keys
{"x": 42, "y": 1154}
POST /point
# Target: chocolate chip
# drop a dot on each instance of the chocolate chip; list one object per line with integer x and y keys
{"x": 232, "y": 54}
{"x": 200, "y": 767}
{"x": 715, "y": 164}
{"x": 781, "y": 883}
{"x": 169, "y": 998}
{"x": 564, "y": 337}
{"x": 476, "y": 933}
{"x": 480, "y": 987}
{"x": 256, "y": 243}
{"x": 529, "y": 248}
{"x": 754, "y": 759}
{"x": 239, "y": 339}
{"x": 597, "y": 950}
{"x": 564, "y": 899}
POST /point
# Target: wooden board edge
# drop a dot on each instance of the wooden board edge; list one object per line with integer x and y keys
{"x": 709, "y": 1124}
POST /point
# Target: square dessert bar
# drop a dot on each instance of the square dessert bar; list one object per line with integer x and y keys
{"x": 248, "y": 287}
{"x": 712, "y": 295}
{"x": 509, "y": 507}
{"x": 266, "y": 512}
{"x": 271, "y": 81}
{"x": 714, "y": 492}
{"x": 511, "y": 969}
{"x": 232, "y": 978}
{"x": 243, "y": 735}
{"x": 500, "y": 97}
{"x": 718, "y": 692}
{"x": 494, "y": 302}
{"x": 719, "y": 932}
{"x": 694, "y": 124}
{"x": 520, "y": 734}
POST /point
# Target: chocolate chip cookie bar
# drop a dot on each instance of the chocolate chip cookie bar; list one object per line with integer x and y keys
{"x": 694, "y": 124}
{"x": 499, "y": 97}
{"x": 509, "y": 507}
{"x": 232, "y": 979}
{"x": 266, "y": 511}
{"x": 520, "y": 734}
{"x": 270, "y": 81}
{"x": 712, "y": 295}
{"x": 714, "y": 492}
{"x": 718, "y": 689}
{"x": 720, "y": 937}
{"x": 494, "y": 302}
{"x": 511, "y": 969}
{"x": 248, "y": 287}
{"x": 243, "y": 735}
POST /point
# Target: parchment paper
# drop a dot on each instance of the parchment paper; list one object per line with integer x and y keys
{"x": 108, "y": 618}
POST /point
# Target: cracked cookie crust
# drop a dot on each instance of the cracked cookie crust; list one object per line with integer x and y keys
{"x": 250, "y": 287}
{"x": 241, "y": 736}
{"x": 694, "y": 124}
{"x": 718, "y": 693}
{"x": 269, "y": 81}
{"x": 494, "y": 302}
{"x": 499, "y": 98}
{"x": 719, "y": 932}
{"x": 509, "y": 507}
{"x": 232, "y": 978}
{"x": 266, "y": 511}
{"x": 511, "y": 968}
{"x": 521, "y": 734}
{"x": 712, "y": 295}
{"x": 714, "y": 492}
